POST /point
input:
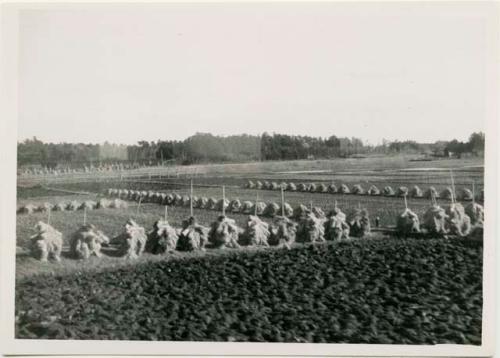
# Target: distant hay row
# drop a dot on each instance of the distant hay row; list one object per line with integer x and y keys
{"x": 74, "y": 205}
{"x": 464, "y": 194}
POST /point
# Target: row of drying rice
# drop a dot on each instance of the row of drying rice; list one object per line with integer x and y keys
{"x": 73, "y": 205}
{"x": 306, "y": 226}
{"x": 465, "y": 194}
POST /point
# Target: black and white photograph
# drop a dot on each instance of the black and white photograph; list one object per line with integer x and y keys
{"x": 316, "y": 176}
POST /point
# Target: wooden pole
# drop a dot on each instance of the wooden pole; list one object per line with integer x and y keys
{"x": 452, "y": 188}
{"x": 256, "y": 201}
{"x": 223, "y": 200}
{"x": 48, "y": 217}
{"x": 473, "y": 192}
{"x": 138, "y": 206}
{"x": 311, "y": 205}
{"x": 282, "y": 201}
{"x": 84, "y": 215}
{"x": 191, "y": 198}
{"x": 166, "y": 212}
{"x": 406, "y": 202}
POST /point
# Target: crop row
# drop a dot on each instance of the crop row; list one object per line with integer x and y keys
{"x": 448, "y": 193}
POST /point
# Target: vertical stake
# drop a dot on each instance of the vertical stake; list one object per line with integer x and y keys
{"x": 452, "y": 188}
{"x": 166, "y": 213}
{"x": 223, "y": 200}
{"x": 256, "y": 201}
{"x": 84, "y": 215}
{"x": 138, "y": 206}
{"x": 48, "y": 217}
{"x": 406, "y": 202}
{"x": 282, "y": 202}
{"x": 191, "y": 198}
{"x": 311, "y": 205}
{"x": 473, "y": 192}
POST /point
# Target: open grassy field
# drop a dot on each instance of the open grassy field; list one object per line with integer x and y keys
{"x": 377, "y": 290}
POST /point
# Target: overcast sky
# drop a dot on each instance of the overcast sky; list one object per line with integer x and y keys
{"x": 124, "y": 74}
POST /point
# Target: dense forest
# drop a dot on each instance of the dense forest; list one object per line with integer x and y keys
{"x": 207, "y": 148}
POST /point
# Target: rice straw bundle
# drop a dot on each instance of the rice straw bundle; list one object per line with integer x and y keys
{"x": 416, "y": 192}
{"x": 256, "y": 232}
{"x": 388, "y": 191}
{"x": 311, "y": 229}
{"x": 272, "y": 209}
{"x": 407, "y": 222}
{"x": 162, "y": 239}
{"x": 359, "y": 223}
{"x": 358, "y": 189}
{"x": 283, "y": 232}
{"x": 402, "y": 191}
{"x": 344, "y": 189}
{"x": 193, "y": 236}
{"x": 224, "y": 233}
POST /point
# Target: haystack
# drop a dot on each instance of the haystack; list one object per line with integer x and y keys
{"x": 358, "y": 189}
{"x": 313, "y": 187}
{"x": 118, "y": 204}
{"x": 458, "y": 222}
{"x": 302, "y": 187}
{"x": 220, "y": 203}
{"x": 132, "y": 241}
{"x": 88, "y": 205}
{"x": 177, "y": 199}
{"x": 259, "y": 185}
{"x": 300, "y": 211}
{"x": 163, "y": 199}
{"x": 196, "y": 202}
{"x": 373, "y": 190}
{"x": 267, "y": 185}
{"x": 344, "y": 189}
{"x": 193, "y": 236}
{"x": 87, "y": 241}
{"x": 235, "y": 206}
{"x": 74, "y": 205}
{"x": 169, "y": 199}
{"x": 109, "y": 191}
{"x": 260, "y": 207}
{"x": 224, "y": 233}
{"x": 250, "y": 185}
{"x": 408, "y": 223}
{"x": 434, "y": 220}
{"x": 256, "y": 232}
{"x": 150, "y": 197}
{"x": 26, "y": 209}
{"x": 466, "y": 194}
{"x": 311, "y": 229}
{"x": 287, "y": 209}
{"x": 388, "y": 191}
{"x": 46, "y": 243}
{"x": 186, "y": 201}
{"x": 322, "y": 188}
{"x": 431, "y": 192}
{"x": 202, "y": 202}
{"x": 44, "y": 207}
{"x": 211, "y": 204}
{"x": 338, "y": 213}
{"x": 402, "y": 191}
{"x": 124, "y": 194}
{"x": 336, "y": 228}
{"x": 416, "y": 192}
{"x": 283, "y": 232}
{"x": 359, "y": 223}
{"x": 162, "y": 239}
{"x": 476, "y": 213}
{"x": 291, "y": 187}
{"x": 61, "y": 206}
{"x": 283, "y": 185}
{"x": 332, "y": 188}
{"x": 247, "y": 207}
{"x": 272, "y": 209}
{"x": 103, "y": 203}
{"x": 447, "y": 193}
{"x": 275, "y": 186}
{"x": 318, "y": 212}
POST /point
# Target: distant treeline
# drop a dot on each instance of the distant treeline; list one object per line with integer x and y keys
{"x": 207, "y": 148}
